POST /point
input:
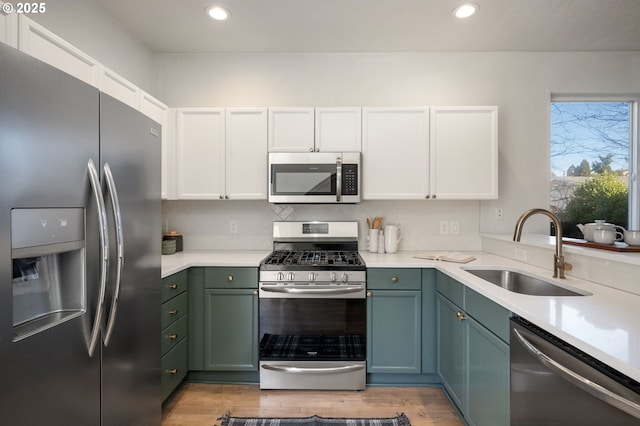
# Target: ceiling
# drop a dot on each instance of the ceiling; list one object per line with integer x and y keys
{"x": 181, "y": 26}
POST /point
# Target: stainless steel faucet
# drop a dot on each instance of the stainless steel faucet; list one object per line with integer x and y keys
{"x": 559, "y": 265}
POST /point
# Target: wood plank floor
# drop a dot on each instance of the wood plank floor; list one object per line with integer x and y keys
{"x": 201, "y": 404}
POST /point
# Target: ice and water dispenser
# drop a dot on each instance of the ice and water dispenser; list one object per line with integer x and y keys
{"x": 48, "y": 253}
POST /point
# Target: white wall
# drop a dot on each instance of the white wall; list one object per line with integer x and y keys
{"x": 519, "y": 83}
{"x": 86, "y": 25}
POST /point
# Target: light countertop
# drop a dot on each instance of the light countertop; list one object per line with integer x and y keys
{"x": 605, "y": 324}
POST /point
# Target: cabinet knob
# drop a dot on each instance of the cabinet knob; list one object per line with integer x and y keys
{"x": 221, "y": 197}
{"x": 229, "y": 278}
{"x": 172, "y": 371}
{"x": 461, "y": 316}
{"x": 226, "y": 197}
{"x": 172, "y": 286}
{"x": 433, "y": 196}
{"x": 394, "y": 279}
{"x": 255, "y": 292}
{"x": 311, "y": 149}
{"x": 171, "y": 336}
{"x": 173, "y": 312}
{"x": 427, "y": 197}
{"x": 369, "y": 294}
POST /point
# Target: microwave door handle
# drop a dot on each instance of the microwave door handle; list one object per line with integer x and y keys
{"x": 338, "y": 179}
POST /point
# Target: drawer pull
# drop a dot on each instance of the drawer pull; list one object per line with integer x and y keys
{"x": 229, "y": 278}
{"x": 173, "y": 371}
{"x": 394, "y": 279}
{"x": 171, "y": 336}
{"x": 461, "y": 316}
{"x": 173, "y": 312}
{"x": 172, "y": 286}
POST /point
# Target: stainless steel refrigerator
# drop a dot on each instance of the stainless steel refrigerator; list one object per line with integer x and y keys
{"x": 80, "y": 238}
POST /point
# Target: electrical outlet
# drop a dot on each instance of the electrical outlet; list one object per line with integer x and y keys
{"x": 499, "y": 213}
{"x": 444, "y": 227}
{"x": 521, "y": 255}
{"x": 233, "y": 226}
{"x": 454, "y": 227}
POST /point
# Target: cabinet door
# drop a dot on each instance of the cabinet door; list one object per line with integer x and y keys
{"x": 231, "y": 330}
{"x": 394, "y": 331}
{"x": 161, "y": 113}
{"x": 451, "y": 349}
{"x": 338, "y": 129}
{"x": 116, "y": 86}
{"x": 488, "y": 377}
{"x": 246, "y": 153}
{"x": 8, "y": 28}
{"x": 464, "y": 152}
{"x": 395, "y": 153}
{"x": 291, "y": 129}
{"x": 41, "y": 43}
{"x": 201, "y": 153}
{"x": 429, "y": 322}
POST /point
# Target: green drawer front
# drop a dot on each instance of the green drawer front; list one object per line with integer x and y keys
{"x": 174, "y": 368}
{"x": 450, "y": 288}
{"x": 172, "y": 310}
{"x": 488, "y": 313}
{"x": 393, "y": 279}
{"x": 231, "y": 277}
{"x": 173, "y": 334}
{"x": 174, "y": 284}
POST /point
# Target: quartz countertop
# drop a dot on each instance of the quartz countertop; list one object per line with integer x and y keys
{"x": 604, "y": 324}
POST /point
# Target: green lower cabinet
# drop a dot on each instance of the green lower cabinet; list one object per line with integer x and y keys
{"x": 394, "y": 321}
{"x": 473, "y": 362}
{"x": 487, "y": 377}
{"x": 451, "y": 349}
{"x": 231, "y": 330}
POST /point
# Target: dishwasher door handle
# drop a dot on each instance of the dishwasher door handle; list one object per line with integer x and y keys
{"x": 583, "y": 383}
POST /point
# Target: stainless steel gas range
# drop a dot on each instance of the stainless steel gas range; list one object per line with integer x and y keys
{"x": 312, "y": 296}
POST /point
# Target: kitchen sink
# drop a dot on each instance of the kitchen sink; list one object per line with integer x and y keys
{"x": 519, "y": 282}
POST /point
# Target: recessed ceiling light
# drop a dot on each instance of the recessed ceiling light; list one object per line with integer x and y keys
{"x": 218, "y": 13}
{"x": 465, "y": 10}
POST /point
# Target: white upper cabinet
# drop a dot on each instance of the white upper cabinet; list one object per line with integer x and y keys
{"x": 41, "y": 43}
{"x": 246, "y": 154}
{"x": 338, "y": 129}
{"x": 200, "y": 153}
{"x": 119, "y": 87}
{"x": 291, "y": 129}
{"x": 464, "y": 152}
{"x": 159, "y": 112}
{"x": 8, "y": 28}
{"x": 395, "y": 153}
{"x": 222, "y": 153}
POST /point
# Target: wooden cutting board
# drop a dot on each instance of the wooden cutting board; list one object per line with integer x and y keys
{"x": 617, "y": 246}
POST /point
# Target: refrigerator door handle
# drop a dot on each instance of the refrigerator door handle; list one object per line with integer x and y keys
{"x": 115, "y": 202}
{"x": 104, "y": 254}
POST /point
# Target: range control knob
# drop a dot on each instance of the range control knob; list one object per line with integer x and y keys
{"x": 280, "y": 276}
{"x": 291, "y": 276}
{"x": 345, "y": 278}
{"x": 312, "y": 276}
{"x": 333, "y": 276}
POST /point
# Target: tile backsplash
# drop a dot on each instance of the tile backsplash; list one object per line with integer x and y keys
{"x": 206, "y": 225}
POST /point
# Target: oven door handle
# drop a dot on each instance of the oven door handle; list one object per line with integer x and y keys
{"x": 313, "y": 370}
{"x": 338, "y": 179}
{"x": 312, "y": 290}
{"x": 583, "y": 383}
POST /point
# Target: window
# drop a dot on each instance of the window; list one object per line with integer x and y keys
{"x": 594, "y": 153}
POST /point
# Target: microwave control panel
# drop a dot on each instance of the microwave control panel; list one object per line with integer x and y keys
{"x": 349, "y": 179}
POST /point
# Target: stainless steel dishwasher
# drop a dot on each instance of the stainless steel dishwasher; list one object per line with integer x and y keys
{"x": 554, "y": 383}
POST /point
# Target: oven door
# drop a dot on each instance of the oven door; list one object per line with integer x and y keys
{"x": 312, "y": 342}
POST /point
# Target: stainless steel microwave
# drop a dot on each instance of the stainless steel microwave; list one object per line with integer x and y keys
{"x": 314, "y": 177}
